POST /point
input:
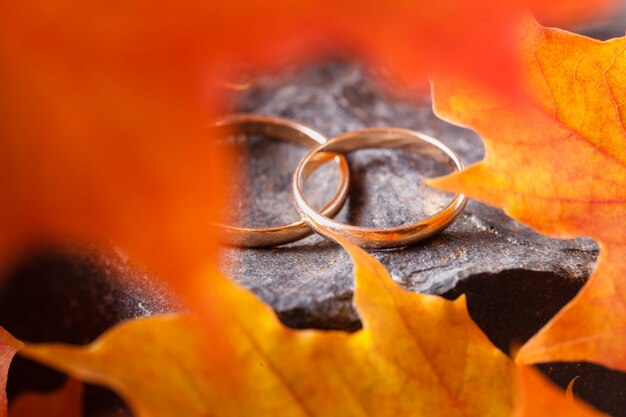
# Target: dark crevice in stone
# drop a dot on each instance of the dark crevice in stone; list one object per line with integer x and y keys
{"x": 72, "y": 297}
{"x": 603, "y": 388}
{"x": 513, "y": 305}
{"x": 299, "y": 319}
{"x": 28, "y": 376}
{"x": 101, "y": 402}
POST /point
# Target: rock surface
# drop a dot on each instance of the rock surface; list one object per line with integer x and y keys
{"x": 309, "y": 283}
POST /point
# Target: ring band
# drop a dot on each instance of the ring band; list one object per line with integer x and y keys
{"x": 371, "y": 238}
{"x": 287, "y": 130}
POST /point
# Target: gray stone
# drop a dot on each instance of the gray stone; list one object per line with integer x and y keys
{"x": 309, "y": 283}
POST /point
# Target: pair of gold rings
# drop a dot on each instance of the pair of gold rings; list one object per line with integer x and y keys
{"x": 323, "y": 151}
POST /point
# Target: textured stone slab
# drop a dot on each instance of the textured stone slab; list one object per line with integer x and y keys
{"x": 309, "y": 283}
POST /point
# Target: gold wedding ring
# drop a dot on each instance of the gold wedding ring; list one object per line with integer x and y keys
{"x": 287, "y": 130}
{"x": 371, "y": 238}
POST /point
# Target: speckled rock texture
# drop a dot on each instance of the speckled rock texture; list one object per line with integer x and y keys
{"x": 310, "y": 282}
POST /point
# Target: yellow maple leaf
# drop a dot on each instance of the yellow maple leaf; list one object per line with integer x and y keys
{"x": 558, "y": 163}
{"x": 416, "y": 355}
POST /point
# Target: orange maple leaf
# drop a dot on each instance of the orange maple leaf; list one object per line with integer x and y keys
{"x": 558, "y": 163}
{"x": 416, "y": 355}
{"x": 105, "y": 103}
{"x": 8, "y": 347}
